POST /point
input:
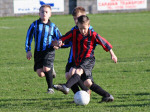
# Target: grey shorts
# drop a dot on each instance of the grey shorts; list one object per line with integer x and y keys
{"x": 87, "y": 65}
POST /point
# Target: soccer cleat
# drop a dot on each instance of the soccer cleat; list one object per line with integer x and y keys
{"x": 50, "y": 91}
{"x": 108, "y": 99}
{"x": 54, "y": 73}
{"x": 62, "y": 88}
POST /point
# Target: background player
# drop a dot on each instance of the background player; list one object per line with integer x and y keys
{"x": 44, "y": 31}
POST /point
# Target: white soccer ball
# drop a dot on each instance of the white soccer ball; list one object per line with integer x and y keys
{"x": 81, "y": 98}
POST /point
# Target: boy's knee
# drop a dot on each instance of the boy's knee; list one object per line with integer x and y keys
{"x": 71, "y": 71}
{"x": 41, "y": 74}
{"x": 79, "y": 71}
{"x": 88, "y": 83}
{"x": 46, "y": 69}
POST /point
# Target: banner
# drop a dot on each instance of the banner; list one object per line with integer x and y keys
{"x": 103, "y": 5}
{"x": 32, "y": 6}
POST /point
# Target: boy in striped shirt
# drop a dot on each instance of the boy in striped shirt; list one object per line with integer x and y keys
{"x": 84, "y": 42}
{"x": 44, "y": 32}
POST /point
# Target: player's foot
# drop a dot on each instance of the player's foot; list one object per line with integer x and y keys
{"x": 62, "y": 88}
{"x": 108, "y": 99}
{"x": 54, "y": 73}
{"x": 89, "y": 92}
{"x": 50, "y": 91}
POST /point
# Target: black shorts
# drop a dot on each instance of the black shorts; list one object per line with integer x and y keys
{"x": 87, "y": 65}
{"x": 68, "y": 66}
{"x": 44, "y": 58}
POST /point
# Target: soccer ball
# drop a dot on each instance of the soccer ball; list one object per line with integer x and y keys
{"x": 81, "y": 98}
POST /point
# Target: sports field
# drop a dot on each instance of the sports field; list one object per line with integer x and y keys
{"x": 21, "y": 90}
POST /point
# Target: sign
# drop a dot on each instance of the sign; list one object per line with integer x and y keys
{"x": 32, "y": 6}
{"x": 103, "y": 5}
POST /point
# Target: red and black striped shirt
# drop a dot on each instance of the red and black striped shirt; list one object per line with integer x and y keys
{"x": 84, "y": 46}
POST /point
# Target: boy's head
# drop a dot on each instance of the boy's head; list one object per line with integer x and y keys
{"x": 77, "y": 12}
{"x": 83, "y": 24}
{"x": 45, "y": 12}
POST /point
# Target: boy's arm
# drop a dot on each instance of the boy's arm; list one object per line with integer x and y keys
{"x": 56, "y": 37}
{"x": 28, "y": 42}
{"x": 113, "y": 56}
{"x": 103, "y": 42}
{"x": 29, "y": 38}
{"x": 66, "y": 45}
{"x": 57, "y": 33}
{"x": 65, "y": 38}
{"x": 107, "y": 46}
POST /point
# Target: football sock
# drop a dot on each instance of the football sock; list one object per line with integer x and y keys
{"x": 73, "y": 80}
{"x": 75, "y": 88}
{"x": 82, "y": 86}
{"x": 49, "y": 78}
{"x": 97, "y": 89}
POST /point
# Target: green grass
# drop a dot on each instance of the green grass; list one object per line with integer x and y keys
{"x": 128, "y": 81}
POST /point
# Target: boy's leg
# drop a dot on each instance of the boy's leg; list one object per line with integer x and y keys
{"x": 106, "y": 96}
{"x": 68, "y": 74}
{"x": 86, "y": 67}
{"x": 48, "y": 61}
{"x": 53, "y": 72}
{"x": 76, "y": 78}
{"x": 75, "y": 87}
{"x": 65, "y": 88}
{"x": 43, "y": 61}
{"x": 97, "y": 89}
{"x": 49, "y": 80}
{"x": 82, "y": 86}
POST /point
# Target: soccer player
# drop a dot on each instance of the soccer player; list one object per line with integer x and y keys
{"x": 77, "y": 12}
{"x": 84, "y": 42}
{"x": 44, "y": 31}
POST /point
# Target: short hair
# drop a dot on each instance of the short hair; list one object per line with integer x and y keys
{"x": 83, "y": 19}
{"x": 45, "y": 5}
{"x": 78, "y": 10}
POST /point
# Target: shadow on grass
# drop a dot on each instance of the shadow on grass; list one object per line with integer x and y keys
{"x": 141, "y": 94}
{"x": 5, "y": 100}
{"x": 124, "y": 98}
{"x": 148, "y": 70}
{"x": 41, "y": 103}
{"x": 131, "y": 105}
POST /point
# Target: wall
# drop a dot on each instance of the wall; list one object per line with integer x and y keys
{"x": 6, "y": 7}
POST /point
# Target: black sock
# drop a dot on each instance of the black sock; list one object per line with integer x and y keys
{"x": 75, "y": 88}
{"x": 97, "y": 89}
{"x": 49, "y": 78}
{"x": 82, "y": 86}
{"x": 73, "y": 80}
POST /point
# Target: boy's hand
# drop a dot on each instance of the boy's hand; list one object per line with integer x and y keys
{"x": 29, "y": 55}
{"x": 55, "y": 47}
{"x": 60, "y": 43}
{"x": 113, "y": 56}
{"x": 55, "y": 44}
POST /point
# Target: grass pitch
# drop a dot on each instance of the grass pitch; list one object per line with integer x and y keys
{"x": 128, "y": 81}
